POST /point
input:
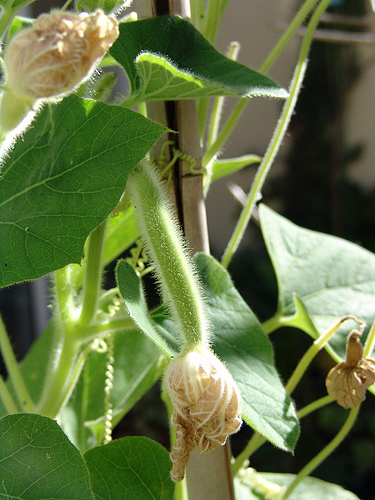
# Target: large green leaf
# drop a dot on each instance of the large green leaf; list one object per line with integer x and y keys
{"x": 38, "y": 461}
{"x": 240, "y": 342}
{"x": 166, "y": 58}
{"x": 331, "y": 276}
{"x": 130, "y": 468}
{"x": 255, "y": 486}
{"x": 62, "y": 178}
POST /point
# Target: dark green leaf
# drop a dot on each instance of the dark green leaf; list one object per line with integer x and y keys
{"x": 187, "y": 68}
{"x": 130, "y": 468}
{"x": 62, "y": 179}
{"x": 132, "y": 292}
{"x": 240, "y": 342}
{"x": 254, "y": 486}
{"x": 38, "y": 461}
{"x": 331, "y": 276}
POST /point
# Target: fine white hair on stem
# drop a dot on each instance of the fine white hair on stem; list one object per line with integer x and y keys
{"x": 165, "y": 245}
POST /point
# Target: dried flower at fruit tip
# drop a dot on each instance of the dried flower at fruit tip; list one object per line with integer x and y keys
{"x": 59, "y": 51}
{"x": 348, "y": 381}
{"x": 206, "y": 402}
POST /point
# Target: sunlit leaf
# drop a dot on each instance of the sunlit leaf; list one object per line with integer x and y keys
{"x": 161, "y": 70}
{"x": 252, "y": 485}
{"x": 331, "y": 276}
{"x": 61, "y": 180}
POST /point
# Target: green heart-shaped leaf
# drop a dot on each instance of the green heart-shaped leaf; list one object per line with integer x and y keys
{"x": 62, "y": 178}
{"x": 331, "y": 276}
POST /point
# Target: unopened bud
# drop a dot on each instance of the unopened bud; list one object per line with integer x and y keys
{"x": 206, "y": 403}
{"x": 348, "y": 381}
{"x": 52, "y": 57}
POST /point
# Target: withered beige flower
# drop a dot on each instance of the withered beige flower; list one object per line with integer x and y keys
{"x": 59, "y": 51}
{"x": 348, "y": 381}
{"x": 206, "y": 402}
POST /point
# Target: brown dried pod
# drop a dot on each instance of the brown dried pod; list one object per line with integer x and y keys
{"x": 206, "y": 403}
{"x": 348, "y": 381}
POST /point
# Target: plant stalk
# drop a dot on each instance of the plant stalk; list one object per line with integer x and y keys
{"x": 7, "y": 398}
{"x": 312, "y": 352}
{"x": 93, "y": 275}
{"x": 271, "y": 58}
{"x": 14, "y": 373}
{"x": 321, "y": 456}
{"x": 277, "y": 138}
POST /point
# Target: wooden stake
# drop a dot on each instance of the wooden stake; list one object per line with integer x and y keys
{"x": 209, "y": 476}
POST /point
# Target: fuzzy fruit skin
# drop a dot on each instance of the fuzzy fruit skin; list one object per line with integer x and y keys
{"x": 174, "y": 267}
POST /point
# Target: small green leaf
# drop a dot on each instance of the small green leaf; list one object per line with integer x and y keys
{"x": 132, "y": 292}
{"x": 17, "y": 24}
{"x": 223, "y": 168}
{"x": 252, "y": 485}
{"x": 331, "y": 276}
{"x": 161, "y": 70}
{"x": 240, "y": 342}
{"x": 130, "y": 468}
{"x": 61, "y": 180}
{"x": 38, "y": 461}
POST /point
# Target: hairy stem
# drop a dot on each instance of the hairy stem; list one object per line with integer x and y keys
{"x": 315, "y": 405}
{"x": 61, "y": 381}
{"x": 5, "y": 19}
{"x": 369, "y": 344}
{"x": 173, "y": 266}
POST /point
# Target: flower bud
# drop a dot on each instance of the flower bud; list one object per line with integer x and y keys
{"x": 206, "y": 403}
{"x": 348, "y": 381}
{"x": 52, "y": 57}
